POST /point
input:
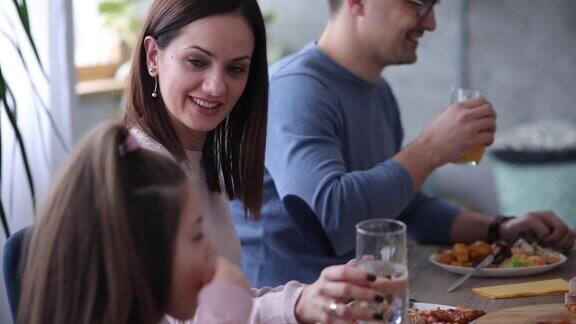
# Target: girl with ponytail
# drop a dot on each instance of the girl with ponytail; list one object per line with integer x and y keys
{"x": 120, "y": 240}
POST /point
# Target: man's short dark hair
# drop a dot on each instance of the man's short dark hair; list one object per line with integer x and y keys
{"x": 334, "y": 5}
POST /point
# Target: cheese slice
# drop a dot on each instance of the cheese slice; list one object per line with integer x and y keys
{"x": 533, "y": 288}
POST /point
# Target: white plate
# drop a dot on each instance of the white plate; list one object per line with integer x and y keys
{"x": 427, "y": 306}
{"x": 499, "y": 272}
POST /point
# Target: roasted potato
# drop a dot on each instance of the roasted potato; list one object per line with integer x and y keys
{"x": 459, "y": 248}
{"x": 444, "y": 257}
{"x": 479, "y": 250}
{"x": 462, "y": 257}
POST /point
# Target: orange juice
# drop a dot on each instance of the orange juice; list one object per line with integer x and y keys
{"x": 472, "y": 157}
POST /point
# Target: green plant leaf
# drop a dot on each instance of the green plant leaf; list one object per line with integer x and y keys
{"x": 121, "y": 18}
{"x": 4, "y": 221}
{"x": 10, "y": 107}
{"x": 2, "y": 99}
{"x": 2, "y": 213}
{"x": 22, "y": 9}
{"x": 110, "y": 7}
{"x": 20, "y": 141}
{"x": 270, "y": 17}
{"x": 2, "y": 85}
{"x": 43, "y": 105}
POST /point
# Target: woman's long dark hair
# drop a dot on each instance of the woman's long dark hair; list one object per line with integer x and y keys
{"x": 235, "y": 149}
{"x": 102, "y": 249}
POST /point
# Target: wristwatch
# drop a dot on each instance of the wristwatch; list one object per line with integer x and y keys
{"x": 494, "y": 227}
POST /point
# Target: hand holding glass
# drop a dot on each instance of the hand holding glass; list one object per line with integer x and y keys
{"x": 381, "y": 249}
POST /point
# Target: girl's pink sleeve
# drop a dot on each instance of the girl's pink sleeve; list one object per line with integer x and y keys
{"x": 223, "y": 303}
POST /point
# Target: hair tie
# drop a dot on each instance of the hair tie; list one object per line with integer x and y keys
{"x": 129, "y": 145}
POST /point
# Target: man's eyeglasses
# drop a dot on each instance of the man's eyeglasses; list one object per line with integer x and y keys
{"x": 424, "y": 6}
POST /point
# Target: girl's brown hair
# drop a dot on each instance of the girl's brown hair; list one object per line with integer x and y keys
{"x": 235, "y": 149}
{"x": 101, "y": 251}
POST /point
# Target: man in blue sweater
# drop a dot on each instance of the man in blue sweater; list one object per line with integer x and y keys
{"x": 334, "y": 155}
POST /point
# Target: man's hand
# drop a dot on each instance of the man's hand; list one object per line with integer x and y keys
{"x": 548, "y": 228}
{"x": 459, "y": 129}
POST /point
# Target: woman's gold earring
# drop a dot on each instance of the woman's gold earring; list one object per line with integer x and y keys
{"x": 155, "y": 93}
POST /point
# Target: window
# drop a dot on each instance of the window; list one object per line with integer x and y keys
{"x": 102, "y": 31}
{"x": 93, "y": 43}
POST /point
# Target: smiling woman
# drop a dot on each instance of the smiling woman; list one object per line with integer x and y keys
{"x": 206, "y": 64}
{"x": 204, "y": 71}
{"x": 198, "y": 92}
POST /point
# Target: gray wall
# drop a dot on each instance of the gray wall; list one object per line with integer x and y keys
{"x": 93, "y": 110}
{"x": 298, "y": 21}
{"x": 523, "y": 52}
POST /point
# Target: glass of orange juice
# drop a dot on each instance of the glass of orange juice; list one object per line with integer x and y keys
{"x": 462, "y": 94}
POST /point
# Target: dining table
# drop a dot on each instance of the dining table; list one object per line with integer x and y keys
{"x": 428, "y": 283}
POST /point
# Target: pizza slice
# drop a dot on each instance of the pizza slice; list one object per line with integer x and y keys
{"x": 458, "y": 315}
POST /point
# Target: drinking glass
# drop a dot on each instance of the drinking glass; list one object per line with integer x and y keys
{"x": 462, "y": 94}
{"x": 381, "y": 249}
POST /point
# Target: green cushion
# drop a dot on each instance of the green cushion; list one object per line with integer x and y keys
{"x": 534, "y": 187}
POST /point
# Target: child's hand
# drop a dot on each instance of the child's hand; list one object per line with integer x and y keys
{"x": 228, "y": 272}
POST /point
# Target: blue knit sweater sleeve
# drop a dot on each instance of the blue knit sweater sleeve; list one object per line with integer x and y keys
{"x": 304, "y": 158}
{"x": 429, "y": 219}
